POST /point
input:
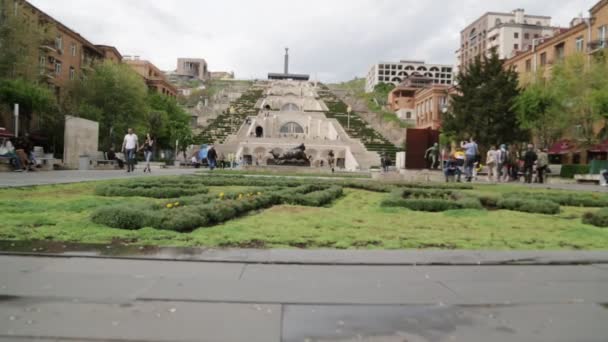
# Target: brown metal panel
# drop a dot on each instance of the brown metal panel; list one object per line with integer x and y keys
{"x": 417, "y": 142}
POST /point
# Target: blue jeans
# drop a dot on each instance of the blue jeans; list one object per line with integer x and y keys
{"x": 130, "y": 155}
{"x": 469, "y": 164}
{"x": 211, "y": 163}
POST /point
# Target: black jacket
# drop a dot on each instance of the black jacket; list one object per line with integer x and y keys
{"x": 529, "y": 158}
{"x": 211, "y": 154}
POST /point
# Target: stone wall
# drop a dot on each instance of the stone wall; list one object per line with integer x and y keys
{"x": 81, "y": 138}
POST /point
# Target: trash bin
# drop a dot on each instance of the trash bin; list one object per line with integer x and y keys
{"x": 84, "y": 162}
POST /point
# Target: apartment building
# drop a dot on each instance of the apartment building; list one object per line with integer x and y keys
{"x": 395, "y": 73}
{"x": 154, "y": 78}
{"x": 585, "y": 35}
{"x": 192, "y": 68}
{"x": 419, "y": 101}
{"x": 507, "y": 33}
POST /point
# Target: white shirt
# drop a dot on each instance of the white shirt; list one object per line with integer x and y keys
{"x": 130, "y": 141}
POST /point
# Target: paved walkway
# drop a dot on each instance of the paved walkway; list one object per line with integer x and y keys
{"x": 9, "y": 179}
{"x": 59, "y": 299}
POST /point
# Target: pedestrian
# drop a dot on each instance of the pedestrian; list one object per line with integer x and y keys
{"x": 452, "y": 169}
{"x": 222, "y": 161}
{"x": 231, "y": 159}
{"x": 129, "y": 146}
{"x": 530, "y": 158}
{"x": 387, "y": 162}
{"x": 330, "y": 160}
{"x": 470, "y": 152}
{"x": 7, "y": 150}
{"x": 148, "y": 147}
{"x": 541, "y": 165}
{"x": 492, "y": 164}
{"x": 502, "y": 160}
{"x": 211, "y": 157}
{"x": 432, "y": 156}
{"x": 513, "y": 163}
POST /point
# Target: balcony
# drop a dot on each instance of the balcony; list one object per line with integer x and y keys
{"x": 597, "y": 45}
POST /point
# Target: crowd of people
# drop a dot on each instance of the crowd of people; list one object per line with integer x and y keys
{"x": 20, "y": 153}
{"x": 502, "y": 164}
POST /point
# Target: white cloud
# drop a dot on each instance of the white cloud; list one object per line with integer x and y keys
{"x": 335, "y": 40}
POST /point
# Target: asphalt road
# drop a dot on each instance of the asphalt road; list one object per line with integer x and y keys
{"x": 89, "y": 299}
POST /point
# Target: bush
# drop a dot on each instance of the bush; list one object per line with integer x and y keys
{"x": 528, "y": 205}
{"x": 153, "y": 192}
{"x": 432, "y": 204}
{"x": 572, "y": 199}
{"x": 131, "y": 217}
{"x": 568, "y": 171}
{"x": 598, "y": 218}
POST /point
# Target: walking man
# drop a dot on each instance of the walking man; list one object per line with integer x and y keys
{"x": 492, "y": 164}
{"x": 129, "y": 146}
{"x": 541, "y": 165}
{"x": 502, "y": 157}
{"x": 530, "y": 158}
{"x": 211, "y": 157}
{"x": 470, "y": 152}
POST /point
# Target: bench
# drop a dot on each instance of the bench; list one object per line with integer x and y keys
{"x": 587, "y": 178}
{"x": 5, "y": 164}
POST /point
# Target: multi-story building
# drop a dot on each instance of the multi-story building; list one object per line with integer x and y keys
{"x": 419, "y": 101}
{"x": 193, "y": 68}
{"x": 395, "y": 73}
{"x": 507, "y": 33}
{"x": 154, "y": 78}
{"x": 585, "y": 35}
{"x": 63, "y": 57}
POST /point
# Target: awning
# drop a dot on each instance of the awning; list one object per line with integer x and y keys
{"x": 5, "y": 133}
{"x": 562, "y": 147}
{"x": 599, "y": 148}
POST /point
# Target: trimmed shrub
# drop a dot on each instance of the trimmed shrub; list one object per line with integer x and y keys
{"x": 432, "y": 204}
{"x": 131, "y": 217}
{"x": 598, "y": 218}
{"x": 529, "y": 206}
{"x": 572, "y": 199}
{"x": 568, "y": 171}
{"x": 156, "y": 192}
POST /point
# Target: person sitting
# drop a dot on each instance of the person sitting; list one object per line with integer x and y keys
{"x": 112, "y": 156}
{"x": 7, "y": 150}
{"x": 452, "y": 169}
{"x": 195, "y": 162}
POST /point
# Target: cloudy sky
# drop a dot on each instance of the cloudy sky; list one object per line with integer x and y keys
{"x": 333, "y": 40}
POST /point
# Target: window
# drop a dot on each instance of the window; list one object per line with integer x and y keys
{"x": 526, "y": 36}
{"x": 73, "y": 49}
{"x": 59, "y": 42}
{"x": 515, "y": 46}
{"x": 291, "y": 127}
{"x": 498, "y": 22}
{"x": 579, "y": 43}
{"x": 58, "y": 68}
{"x": 42, "y": 61}
{"x": 528, "y": 65}
{"x": 543, "y": 59}
{"x": 536, "y": 35}
{"x": 560, "y": 51}
{"x": 72, "y": 73}
{"x": 538, "y": 23}
{"x": 516, "y": 35}
{"x": 603, "y": 32}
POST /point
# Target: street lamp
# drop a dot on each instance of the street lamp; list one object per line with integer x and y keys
{"x": 348, "y": 110}
{"x": 16, "y": 120}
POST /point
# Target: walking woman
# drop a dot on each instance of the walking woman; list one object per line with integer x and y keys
{"x": 148, "y": 147}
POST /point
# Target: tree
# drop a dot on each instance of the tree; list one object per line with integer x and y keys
{"x": 21, "y": 35}
{"x": 175, "y": 121}
{"x": 483, "y": 106}
{"x": 536, "y": 110}
{"x": 115, "y": 96}
{"x": 581, "y": 93}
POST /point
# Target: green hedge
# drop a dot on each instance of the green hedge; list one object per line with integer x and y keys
{"x": 598, "y": 218}
{"x": 432, "y": 204}
{"x": 529, "y": 206}
{"x": 568, "y": 171}
{"x": 572, "y": 199}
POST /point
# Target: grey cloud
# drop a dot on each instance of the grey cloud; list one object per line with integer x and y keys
{"x": 335, "y": 40}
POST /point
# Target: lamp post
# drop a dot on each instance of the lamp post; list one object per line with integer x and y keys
{"x": 16, "y": 120}
{"x": 348, "y": 110}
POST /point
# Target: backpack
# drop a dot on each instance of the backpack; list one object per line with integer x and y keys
{"x": 502, "y": 156}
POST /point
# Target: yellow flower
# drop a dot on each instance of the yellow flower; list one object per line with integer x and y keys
{"x": 240, "y": 196}
{"x": 176, "y": 204}
{"x": 221, "y": 194}
{"x": 259, "y": 193}
{"x": 169, "y": 205}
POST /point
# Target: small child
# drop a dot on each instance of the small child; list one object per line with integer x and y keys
{"x": 477, "y": 167}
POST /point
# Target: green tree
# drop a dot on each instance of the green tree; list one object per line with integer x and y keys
{"x": 537, "y": 111}
{"x": 21, "y": 35}
{"x": 483, "y": 106}
{"x": 168, "y": 121}
{"x": 115, "y": 96}
{"x": 581, "y": 93}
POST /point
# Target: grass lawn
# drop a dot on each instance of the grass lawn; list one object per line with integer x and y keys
{"x": 356, "y": 220}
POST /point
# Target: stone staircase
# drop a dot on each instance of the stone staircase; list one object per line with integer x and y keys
{"x": 229, "y": 123}
{"x": 359, "y": 129}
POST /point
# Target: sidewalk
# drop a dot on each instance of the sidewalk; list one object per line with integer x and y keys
{"x": 84, "y": 299}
